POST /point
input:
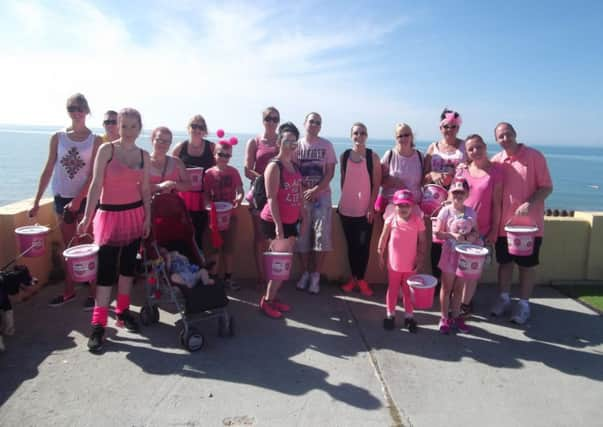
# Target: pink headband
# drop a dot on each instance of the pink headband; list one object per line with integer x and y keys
{"x": 449, "y": 118}
{"x": 232, "y": 141}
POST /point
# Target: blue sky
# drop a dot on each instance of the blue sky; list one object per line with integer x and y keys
{"x": 537, "y": 64}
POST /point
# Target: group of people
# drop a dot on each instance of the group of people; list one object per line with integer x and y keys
{"x": 102, "y": 187}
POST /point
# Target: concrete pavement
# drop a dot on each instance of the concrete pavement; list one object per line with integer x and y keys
{"x": 328, "y": 363}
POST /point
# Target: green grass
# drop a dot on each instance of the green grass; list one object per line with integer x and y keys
{"x": 590, "y": 295}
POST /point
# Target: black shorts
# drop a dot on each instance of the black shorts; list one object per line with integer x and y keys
{"x": 61, "y": 202}
{"x": 114, "y": 259}
{"x": 504, "y": 257}
{"x": 269, "y": 229}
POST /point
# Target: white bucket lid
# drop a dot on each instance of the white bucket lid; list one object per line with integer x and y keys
{"x": 80, "y": 251}
{"x": 32, "y": 229}
{"x": 193, "y": 170}
{"x": 220, "y": 206}
{"x": 424, "y": 281}
{"x": 521, "y": 228}
{"x": 277, "y": 253}
{"x": 469, "y": 249}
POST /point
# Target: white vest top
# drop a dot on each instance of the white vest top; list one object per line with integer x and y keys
{"x": 73, "y": 165}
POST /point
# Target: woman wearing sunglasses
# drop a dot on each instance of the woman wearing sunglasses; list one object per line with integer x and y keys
{"x": 258, "y": 152}
{"x": 110, "y": 126}
{"x": 69, "y": 164}
{"x": 441, "y": 159}
{"x": 196, "y": 152}
{"x": 166, "y": 173}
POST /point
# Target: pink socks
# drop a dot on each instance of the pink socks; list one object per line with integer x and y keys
{"x": 123, "y": 303}
{"x": 99, "y": 315}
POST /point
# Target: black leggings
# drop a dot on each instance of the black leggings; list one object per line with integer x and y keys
{"x": 357, "y": 231}
{"x": 114, "y": 260}
{"x": 436, "y": 252}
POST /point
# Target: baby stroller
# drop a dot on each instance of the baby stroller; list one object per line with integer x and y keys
{"x": 172, "y": 229}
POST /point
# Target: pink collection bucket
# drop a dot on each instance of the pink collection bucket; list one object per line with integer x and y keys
{"x": 471, "y": 260}
{"x": 277, "y": 265}
{"x": 422, "y": 288}
{"x": 196, "y": 177}
{"x": 520, "y": 239}
{"x": 223, "y": 211}
{"x": 31, "y": 240}
{"x": 433, "y": 196}
{"x": 82, "y": 262}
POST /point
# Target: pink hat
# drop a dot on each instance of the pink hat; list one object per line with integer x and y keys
{"x": 459, "y": 185}
{"x": 403, "y": 197}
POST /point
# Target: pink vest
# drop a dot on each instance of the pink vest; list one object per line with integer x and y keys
{"x": 289, "y": 198}
{"x": 121, "y": 184}
{"x": 356, "y": 191}
{"x": 263, "y": 154}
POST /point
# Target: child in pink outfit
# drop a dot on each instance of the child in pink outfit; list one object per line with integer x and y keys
{"x": 404, "y": 235}
{"x": 456, "y": 223}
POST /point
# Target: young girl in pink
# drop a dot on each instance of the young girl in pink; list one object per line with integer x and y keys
{"x": 404, "y": 236}
{"x": 456, "y": 223}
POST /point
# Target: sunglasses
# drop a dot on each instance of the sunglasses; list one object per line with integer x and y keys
{"x": 315, "y": 122}
{"x": 110, "y": 122}
{"x": 291, "y": 144}
{"x": 272, "y": 119}
{"x": 449, "y": 127}
{"x": 359, "y": 133}
{"x": 403, "y": 135}
{"x": 197, "y": 127}
{"x": 75, "y": 108}
{"x": 225, "y": 155}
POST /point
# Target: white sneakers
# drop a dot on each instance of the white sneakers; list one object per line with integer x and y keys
{"x": 501, "y": 306}
{"x": 521, "y": 310}
{"x": 311, "y": 279}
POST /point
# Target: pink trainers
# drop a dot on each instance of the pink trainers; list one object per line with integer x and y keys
{"x": 269, "y": 310}
{"x": 365, "y": 289}
{"x": 460, "y": 324}
{"x": 444, "y": 326}
{"x": 349, "y": 286}
{"x": 281, "y": 306}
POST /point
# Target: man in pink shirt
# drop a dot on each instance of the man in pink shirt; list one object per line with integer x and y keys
{"x": 526, "y": 184}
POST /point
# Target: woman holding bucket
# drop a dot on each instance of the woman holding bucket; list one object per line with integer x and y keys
{"x": 360, "y": 179}
{"x": 457, "y": 223}
{"x": 485, "y": 197}
{"x": 441, "y": 159}
{"x": 258, "y": 152}
{"x": 196, "y": 152}
{"x": 123, "y": 217}
{"x": 166, "y": 173}
{"x": 70, "y": 159}
{"x": 282, "y": 213}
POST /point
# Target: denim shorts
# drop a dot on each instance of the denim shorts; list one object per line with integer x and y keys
{"x": 316, "y": 236}
{"x": 61, "y": 202}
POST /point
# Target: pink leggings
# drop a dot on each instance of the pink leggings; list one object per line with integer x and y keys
{"x": 397, "y": 279}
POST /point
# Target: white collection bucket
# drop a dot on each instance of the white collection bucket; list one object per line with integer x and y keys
{"x": 223, "y": 212}
{"x": 82, "y": 262}
{"x": 520, "y": 239}
{"x": 196, "y": 177}
{"x": 31, "y": 240}
{"x": 471, "y": 260}
{"x": 422, "y": 288}
{"x": 277, "y": 265}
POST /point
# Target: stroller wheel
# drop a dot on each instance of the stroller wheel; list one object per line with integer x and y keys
{"x": 193, "y": 341}
{"x": 146, "y": 314}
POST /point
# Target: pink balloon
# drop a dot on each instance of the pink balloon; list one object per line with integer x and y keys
{"x": 220, "y": 133}
{"x": 234, "y": 140}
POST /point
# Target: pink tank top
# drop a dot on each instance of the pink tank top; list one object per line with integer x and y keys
{"x": 121, "y": 184}
{"x": 356, "y": 191}
{"x": 263, "y": 154}
{"x": 171, "y": 174}
{"x": 480, "y": 196}
{"x": 289, "y": 198}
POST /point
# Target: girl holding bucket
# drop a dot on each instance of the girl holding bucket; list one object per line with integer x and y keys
{"x": 258, "y": 152}
{"x": 441, "y": 159}
{"x": 222, "y": 183}
{"x": 282, "y": 213}
{"x": 123, "y": 217}
{"x": 404, "y": 237}
{"x": 360, "y": 179}
{"x": 456, "y": 223}
{"x": 196, "y": 152}
{"x": 70, "y": 159}
{"x": 485, "y": 197}
{"x": 166, "y": 173}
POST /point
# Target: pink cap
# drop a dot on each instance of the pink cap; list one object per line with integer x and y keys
{"x": 459, "y": 185}
{"x": 403, "y": 197}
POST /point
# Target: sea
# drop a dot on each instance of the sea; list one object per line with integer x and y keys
{"x": 577, "y": 171}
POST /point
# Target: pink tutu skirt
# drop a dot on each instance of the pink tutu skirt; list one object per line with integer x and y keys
{"x": 193, "y": 200}
{"x": 118, "y": 228}
{"x": 449, "y": 258}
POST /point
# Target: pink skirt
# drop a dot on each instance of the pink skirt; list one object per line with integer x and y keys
{"x": 449, "y": 258}
{"x": 118, "y": 228}
{"x": 193, "y": 200}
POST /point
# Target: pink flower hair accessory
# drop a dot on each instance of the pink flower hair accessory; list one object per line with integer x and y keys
{"x": 452, "y": 118}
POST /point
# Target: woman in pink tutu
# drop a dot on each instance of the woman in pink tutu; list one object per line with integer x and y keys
{"x": 121, "y": 182}
{"x": 166, "y": 173}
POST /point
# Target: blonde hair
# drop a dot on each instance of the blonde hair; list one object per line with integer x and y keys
{"x": 80, "y": 100}
{"x": 130, "y": 112}
{"x": 399, "y": 127}
{"x": 197, "y": 118}
{"x": 360, "y": 125}
{"x": 269, "y": 110}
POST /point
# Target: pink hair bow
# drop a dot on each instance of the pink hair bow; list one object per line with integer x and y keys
{"x": 449, "y": 118}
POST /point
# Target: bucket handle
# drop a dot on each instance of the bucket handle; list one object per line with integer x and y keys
{"x": 78, "y": 236}
{"x": 510, "y": 222}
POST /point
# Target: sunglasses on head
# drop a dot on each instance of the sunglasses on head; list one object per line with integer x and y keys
{"x": 361, "y": 133}
{"x": 110, "y": 122}
{"x": 75, "y": 108}
{"x": 315, "y": 122}
{"x": 224, "y": 155}
{"x": 272, "y": 119}
{"x": 449, "y": 126}
{"x": 197, "y": 127}
{"x": 403, "y": 135}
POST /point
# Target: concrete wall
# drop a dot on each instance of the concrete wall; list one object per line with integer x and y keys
{"x": 572, "y": 249}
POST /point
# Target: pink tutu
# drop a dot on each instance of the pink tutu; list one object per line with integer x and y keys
{"x": 449, "y": 258}
{"x": 118, "y": 228}
{"x": 193, "y": 200}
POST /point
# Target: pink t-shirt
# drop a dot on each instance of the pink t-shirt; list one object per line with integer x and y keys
{"x": 403, "y": 241}
{"x": 409, "y": 169}
{"x": 221, "y": 186}
{"x": 523, "y": 174}
{"x": 356, "y": 191}
{"x": 312, "y": 159}
{"x": 263, "y": 154}
{"x": 481, "y": 191}
{"x": 289, "y": 198}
